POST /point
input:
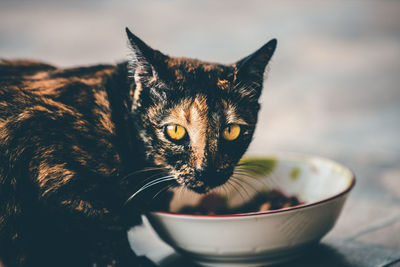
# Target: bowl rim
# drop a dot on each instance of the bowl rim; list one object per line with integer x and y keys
{"x": 259, "y": 213}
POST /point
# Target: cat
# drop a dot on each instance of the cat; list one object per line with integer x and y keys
{"x": 76, "y": 144}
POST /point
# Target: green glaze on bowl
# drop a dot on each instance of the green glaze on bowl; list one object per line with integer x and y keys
{"x": 258, "y": 167}
{"x": 295, "y": 173}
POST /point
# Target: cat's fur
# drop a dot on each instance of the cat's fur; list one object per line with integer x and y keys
{"x": 73, "y": 143}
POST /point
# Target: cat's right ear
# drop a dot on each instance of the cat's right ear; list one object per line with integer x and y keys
{"x": 142, "y": 56}
{"x": 144, "y": 67}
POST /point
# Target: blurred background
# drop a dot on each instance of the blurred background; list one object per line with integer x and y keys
{"x": 332, "y": 88}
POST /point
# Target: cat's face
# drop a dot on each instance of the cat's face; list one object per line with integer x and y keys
{"x": 196, "y": 119}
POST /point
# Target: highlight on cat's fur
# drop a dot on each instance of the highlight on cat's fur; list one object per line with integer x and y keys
{"x": 76, "y": 144}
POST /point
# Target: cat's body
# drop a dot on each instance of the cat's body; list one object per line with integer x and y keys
{"x": 73, "y": 143}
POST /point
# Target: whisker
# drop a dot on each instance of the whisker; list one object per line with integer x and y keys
{"x": 237, "y": 190}
{"x": 151, "y": 177}
{"x": 235, "y": 187}
{"x": 269, "y": 182}
{"x": 251, "y": 170}
{"x": 150, "y": 184}
{"x": 180, "y": 192}
{"x": 247, "y": 175}
{"x": 269, "y": 179}
{"x": 237, "y": 182}
{"x": 165, "y": 188}
{"x": 141, "y": 171}
{"x": 217, "y": 190}
{"x": 250, "y": 163}
{"x": 226, "y": 191}
{"x": 247, "y": 183}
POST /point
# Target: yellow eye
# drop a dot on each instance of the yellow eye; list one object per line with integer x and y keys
{"x": 175, "y": 131}
{"x": 231, "y": 132}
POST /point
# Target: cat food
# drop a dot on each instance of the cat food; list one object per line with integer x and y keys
{"x": 214, "y": 204}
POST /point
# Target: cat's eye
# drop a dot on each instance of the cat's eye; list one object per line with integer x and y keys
{"x": 231, "y": 132}
{"x": 175, "y": 131}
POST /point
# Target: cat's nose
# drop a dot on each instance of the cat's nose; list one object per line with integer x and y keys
{"x": 209, "y": 178}
{"x": 202, "y": 174}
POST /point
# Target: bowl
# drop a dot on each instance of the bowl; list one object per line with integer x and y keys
{"x": 260, "y": 238}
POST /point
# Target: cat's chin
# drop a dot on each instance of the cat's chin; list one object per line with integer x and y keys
{"x": 200, "y": 189}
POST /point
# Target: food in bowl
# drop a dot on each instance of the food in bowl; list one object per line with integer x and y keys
{"x": 216, "y": 204}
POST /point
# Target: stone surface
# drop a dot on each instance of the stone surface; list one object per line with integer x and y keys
{"x": 347, "y": 254}
{"x": 386, "y": 234}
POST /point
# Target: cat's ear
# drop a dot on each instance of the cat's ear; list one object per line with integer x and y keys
{"x": 144, "y": 60}
{"x": 145, "y": 67}
{"x": 252, "y": 67}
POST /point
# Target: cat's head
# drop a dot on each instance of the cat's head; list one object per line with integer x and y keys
{"x": 196, "y": 119}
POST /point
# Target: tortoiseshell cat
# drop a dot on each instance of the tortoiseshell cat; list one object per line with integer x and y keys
{"x": 75, "y": 144}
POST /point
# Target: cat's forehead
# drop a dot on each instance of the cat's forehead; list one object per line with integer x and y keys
{"x": 195, "y": 73}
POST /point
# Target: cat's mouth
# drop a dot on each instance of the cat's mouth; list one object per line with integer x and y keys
{"x": 205, "y": 184}
{"x": 200, "y": 190}
{"x": 195, "y": 185}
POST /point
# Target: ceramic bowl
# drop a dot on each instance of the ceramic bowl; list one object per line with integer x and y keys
{"x": 261, "y": 238}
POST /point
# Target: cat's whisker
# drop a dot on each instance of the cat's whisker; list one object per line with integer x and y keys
{"x": 150, "y": 184}
{"x": 164, "y": 189}
{"x": 158, "y": 179}
{"x": 249, "y": 176}
{"x": 235, "y": 183}
{"x": 252, "y": 172}
{"x": 246, "y": 165}
{"x": 247, "y": 169}
{"x": 225, "y": 189}
{"x": 270, "y": 180}
{"x": 248, "y": 173}
{"x": 263, "y": 182}
{"x": 150, "y": 178}
{"x": 247, "y": 183}
{"x": 180, "y": 192}
{"x": 216, "y": 190}
{"x": 244, "y": 173}
{"x": 230, "y": 188}
{"x": 249, "y": 163}
{"x": 141, "y": 172}
{"x": 238, "y": 182}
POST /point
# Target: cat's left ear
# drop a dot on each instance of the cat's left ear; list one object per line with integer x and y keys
{"x": 252, "y": 67}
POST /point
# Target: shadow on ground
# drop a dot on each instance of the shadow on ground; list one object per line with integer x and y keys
{"x": 331, "y": 254}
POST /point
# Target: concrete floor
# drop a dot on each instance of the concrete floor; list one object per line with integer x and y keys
{"x": 332, "y": 89}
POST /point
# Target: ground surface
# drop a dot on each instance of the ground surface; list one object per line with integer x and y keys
{"x": 333, "y": 86}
